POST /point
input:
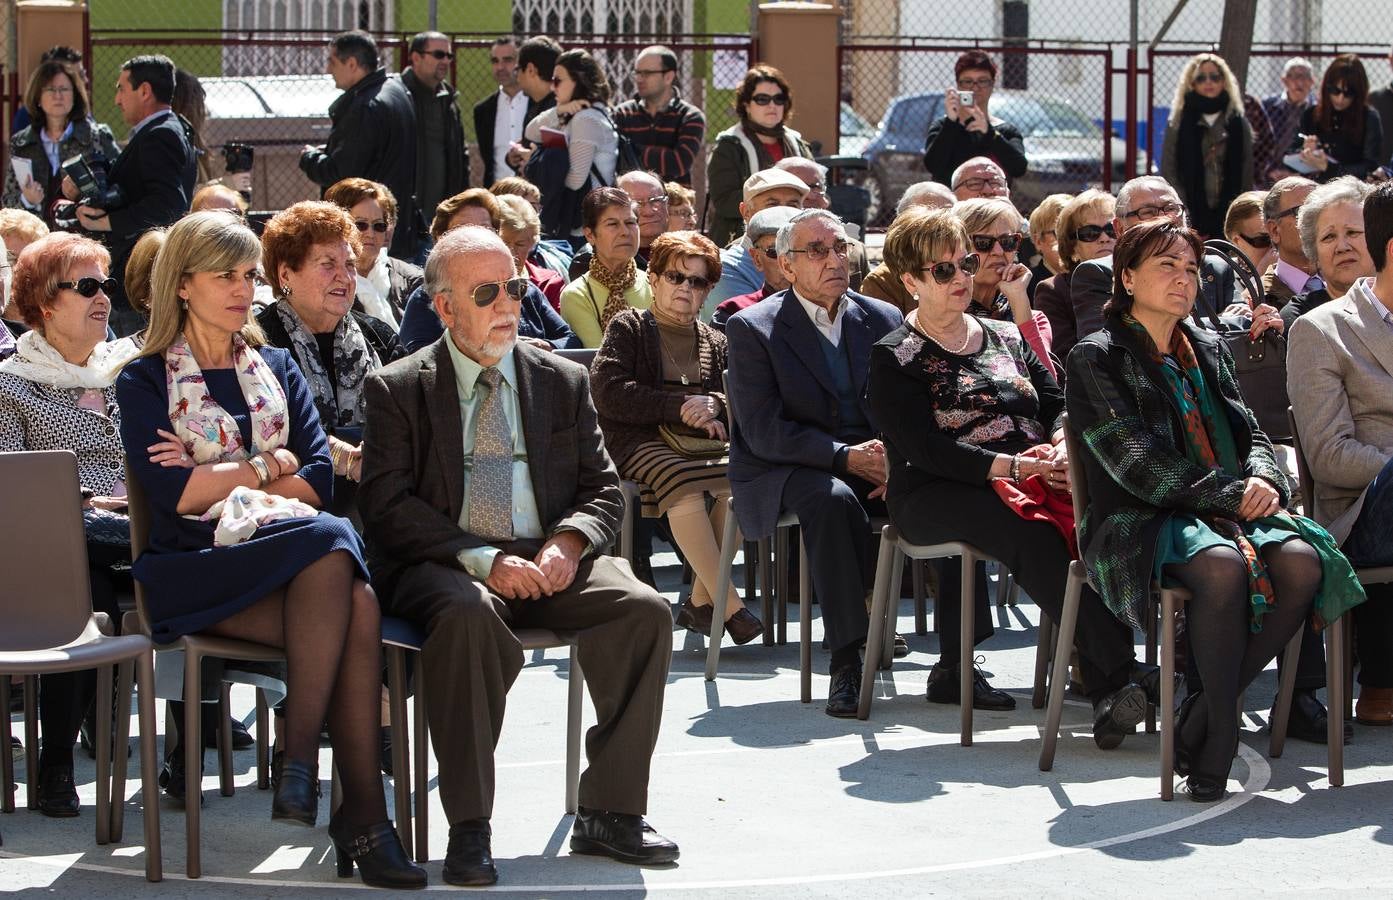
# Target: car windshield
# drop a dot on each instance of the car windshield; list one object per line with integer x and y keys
{"x": 853, "y": 123}
{"x": 910, "y": 117}
{"x": 1043, "y": 118}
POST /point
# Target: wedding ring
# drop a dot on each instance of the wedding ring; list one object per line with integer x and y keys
{"x": 183, "y": 457}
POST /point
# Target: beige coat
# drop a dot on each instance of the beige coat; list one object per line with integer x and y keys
{"x": 1340, "y": 379}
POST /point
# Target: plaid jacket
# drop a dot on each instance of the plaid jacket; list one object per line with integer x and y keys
{"x": 1138, "y": 473}
{"x": 667, "y": 143}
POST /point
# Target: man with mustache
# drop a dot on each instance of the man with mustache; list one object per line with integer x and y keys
{"x": 488, "y": 499}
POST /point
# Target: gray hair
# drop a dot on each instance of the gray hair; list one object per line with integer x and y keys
{"x": 1124, "y": 195}
{"x": 789, "y": 163}
{"x": 917, "y": 194}
{"x": 638, "y": 175}
{"x": 961, "y": 170}
{"x": 1272, "y": 203}
{"x": 1345, "y": 189}
{"x": 454, "y": 244}
{"x": 783, "y": 241}
{"x": 1297, "y": 62}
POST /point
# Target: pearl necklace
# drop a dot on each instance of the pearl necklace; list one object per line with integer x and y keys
{"x": 919, "y": 326}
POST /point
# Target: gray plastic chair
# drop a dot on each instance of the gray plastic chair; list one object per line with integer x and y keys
{"x": 46, "y": 606}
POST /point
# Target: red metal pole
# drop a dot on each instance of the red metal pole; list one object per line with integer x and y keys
{"x": 1130, "y": 166}
{"x": 1107, "y": 120}
{"x": 1150, "y": 108}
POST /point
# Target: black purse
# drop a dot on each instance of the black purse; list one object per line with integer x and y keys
{"x": 1261, "y": 365}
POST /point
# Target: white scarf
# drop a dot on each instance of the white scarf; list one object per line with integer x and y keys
{"x": 373, "y": 290}
{"x": 36, "y": 360}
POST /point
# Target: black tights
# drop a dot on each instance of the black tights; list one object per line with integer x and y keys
{"x": 1222, "y": 644}
{"x": 330, "y": 625}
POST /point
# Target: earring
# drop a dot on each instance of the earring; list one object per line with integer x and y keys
{"x": 915, "y": 295}
{"x": 184, "y": 305}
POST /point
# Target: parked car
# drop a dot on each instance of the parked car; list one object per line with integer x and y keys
{"x": 1064, "y": 147}
{"x": 856, "y": 132}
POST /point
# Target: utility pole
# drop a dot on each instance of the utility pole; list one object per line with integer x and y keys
{"x": 1236, "y": 35}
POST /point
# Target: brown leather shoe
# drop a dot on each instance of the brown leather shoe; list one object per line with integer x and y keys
{"x": 1375, "y": 706}
{"x": 696, "y": 619}
{"x": 742, "y": 627}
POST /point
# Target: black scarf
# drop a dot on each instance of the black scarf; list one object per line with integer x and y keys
{"x": 777, "y": 132}
{"x": 1208, "y": 219}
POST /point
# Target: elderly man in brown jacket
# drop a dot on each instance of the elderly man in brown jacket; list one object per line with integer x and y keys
{"x": 1340, "y": 379}
{"x": 488, "y": 500}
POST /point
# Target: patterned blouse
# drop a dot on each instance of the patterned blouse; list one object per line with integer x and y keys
{"x": 40, "y": 417}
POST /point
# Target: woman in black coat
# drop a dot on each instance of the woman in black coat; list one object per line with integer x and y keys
{"x": 1341, "y": 134}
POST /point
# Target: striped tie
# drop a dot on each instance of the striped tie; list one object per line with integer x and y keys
{"x": 491, "y": 480}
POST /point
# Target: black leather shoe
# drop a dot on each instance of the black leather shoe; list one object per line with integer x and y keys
{"x": 845, "y": 694}
{"x": 624, "y": 837}
{"x": 57, "y": 793}
{"x": 172, "y": 778}
{"x": 1149, "y": 677}
{"x": 1309, "y": 719}
{"x": 1116, "y": 715}
{"x": 469, "y": 858}
{"x": 943, "y": 688}
{"x": 379, "y": 855}
{"x": 901, "y": 647}
{"x": 297, "y": 793}
{"x": 241, "y": 738}
{"x": 1205, "y": 788}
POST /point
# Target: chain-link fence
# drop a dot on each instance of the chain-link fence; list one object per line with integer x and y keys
{"x": 268, "y": 90}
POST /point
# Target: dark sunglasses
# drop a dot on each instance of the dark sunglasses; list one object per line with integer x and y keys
{"x": 89, "y": 286}
{"x": 1287, "y": 212}
{"x": 1010, "y": 243}
{"x": 379, "y": 227}
{"x": 1216, "y": 77}
{"x": 485, "y": 294}
{"x": 438, "y": 54}
{"x": 556, "y": 81}
{"x": 943, "y": 272}
{"x": 1336, "y": 91}
{"x": 1262, "y": 240}
{"x": 1090, "y": 233}
{"x": 766, "y": 99}
{"x": 677, "y": 279}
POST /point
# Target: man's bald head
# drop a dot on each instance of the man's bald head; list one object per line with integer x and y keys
{"x": 979, "y": 177}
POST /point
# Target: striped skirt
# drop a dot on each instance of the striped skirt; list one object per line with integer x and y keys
{"x": 665, "y": 476}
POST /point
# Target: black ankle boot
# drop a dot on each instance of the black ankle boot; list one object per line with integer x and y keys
{"x": 297, "y": 793}
{"x": 378, "y": 852}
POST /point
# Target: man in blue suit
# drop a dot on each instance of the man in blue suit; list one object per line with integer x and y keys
{"x": 802, "y": 440}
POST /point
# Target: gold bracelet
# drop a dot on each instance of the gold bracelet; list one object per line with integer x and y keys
{"x": 263, "y": 472}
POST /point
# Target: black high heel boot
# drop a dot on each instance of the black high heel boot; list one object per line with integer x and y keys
{"x": 297, "y": 793}
{"x": 378, "y": 852}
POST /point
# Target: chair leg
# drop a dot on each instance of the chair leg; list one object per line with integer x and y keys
{"x": 720, "y": 598}
{"x": 805, "y": 624}
{"x": 966, "y": 633}
{"x": 193, "y": 761}
{"x": 31, "y": 740}
{"x": 120, "y": 765}
{"x": 1335, "y": 667}
{"x": 421, "y": 774}
{"x": 103, "y": 739}
{"x": 263, "y": 742}
{"x": 225, "y": 785}
{"x": 149, "y": 766}
{"x": 574, "y": 707}
{"x": 1282, "y": 711}
{"x": 885, "y": 571}
{"x": 781, "y": 550}
{"x": 401, "y": 771}
{"x": 1167, "y": 626}
{"x": 918, "y": 574}
{"x": 1151, "y": 641}
{"x": 1059, "y": 682}
{"x": 1042, "y": 660}
{"x": 7, "y": 763}
{"x": 1350, "y": 649}
{"x": 766, "y": 591}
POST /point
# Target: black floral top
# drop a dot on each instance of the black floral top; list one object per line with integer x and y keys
{"x": 948, "y": 415}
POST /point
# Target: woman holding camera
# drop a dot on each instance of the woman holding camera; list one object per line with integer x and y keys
{"x": 61, "y": 129}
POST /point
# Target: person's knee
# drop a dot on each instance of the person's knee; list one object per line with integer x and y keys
{"x": 835, "y": 502}
{"x": 367, "y": 612}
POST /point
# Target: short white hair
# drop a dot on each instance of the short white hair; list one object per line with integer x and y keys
{"x": 783, "y": 241}
{"x": 971, "y": 163}
{"x": 455, "y": 244}
{"x": 1345, "y": 189}
{"x": 917, "y": 194}
{"x": 1124, "y": 194}
{"x": 1297, "y": 62}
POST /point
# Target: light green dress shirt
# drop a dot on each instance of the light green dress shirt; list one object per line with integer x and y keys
{"x": 527, "y": 522}
{"x": 583, "y": 300}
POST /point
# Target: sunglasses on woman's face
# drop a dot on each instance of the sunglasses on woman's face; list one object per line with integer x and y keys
{"x": 556, "y": 81}
{"x": 943, "y": 272}
{"x": 766, "y": 99}
{"x": 89, "y": 286}
{"x": 1090, "y": 233}
{"x": 485, "y": 294}
{"x": 1261, "y": 240}
{"x": 1010, "y": 243}
{"x": 379, "y": 226}
{"x": 677, "y": 279}
{"x": 1215, "y": 77}
{"x": 1336, "y": 90}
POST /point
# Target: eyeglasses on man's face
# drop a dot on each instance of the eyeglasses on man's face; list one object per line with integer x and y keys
{"x": 819, "y": 252}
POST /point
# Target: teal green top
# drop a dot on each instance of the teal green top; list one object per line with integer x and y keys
{"x": 527, "y": 521}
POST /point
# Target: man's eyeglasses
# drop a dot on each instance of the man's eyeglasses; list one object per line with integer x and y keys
{"x": 766, "y": 99}
{"x": 1287, "y": 212}
{"x": 1262, "y": 240}
{"x": 644, "y": 73}
{"x": 654, "y": 202}
{"x": 1149, "y": 212}
{"x": 379, "y": 226}
{"x": 677, "y": 279}
{"x": 1215, "y": 77}
{"x": 943, "y": 272}
{"x": 977, "y": 184}
{"x": 983, "y": 243}
{"x": 769, "y": 252}
{"x": 438, "y": 54}
{"x": 972, "y": 84}
{"x": 485, "y": 294}
{"x": 818, "y": 252}
{"x": 1090, "y": 233}
{"x": 817, "y": 187}
{"x": 89, "y": 286}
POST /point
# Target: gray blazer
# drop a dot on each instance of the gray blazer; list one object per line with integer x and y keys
{"x": 1340, "y": 379}
{"x": 413, "y": 459}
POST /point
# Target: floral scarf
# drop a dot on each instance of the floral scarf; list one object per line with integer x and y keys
{"x": 617, "y": 283}
{"x": 340, "y": 401}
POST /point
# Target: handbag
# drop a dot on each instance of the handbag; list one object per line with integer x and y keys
{"x": 1261, "y": 365}
{"x": 690, "y": 443}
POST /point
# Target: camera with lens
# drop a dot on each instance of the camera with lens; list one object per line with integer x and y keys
{"x": 91, "y": 175}
{"x": 238, "y": 157}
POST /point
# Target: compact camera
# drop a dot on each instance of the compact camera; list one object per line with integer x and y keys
{"x": 966, "y": 98}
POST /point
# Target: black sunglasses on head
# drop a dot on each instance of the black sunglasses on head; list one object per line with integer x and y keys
{"x": 1090, "y": 233}
{"x": 89, "y": 286}
{"x": 1010, "y": 243}
{"x": 379, "y": 227}
{"x": 485, "y": 294}
{"x": 677, "y": 279}
{"x": 943, "y": 272}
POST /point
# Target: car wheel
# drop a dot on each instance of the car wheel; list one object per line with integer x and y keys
{"x": 876, "y": 208}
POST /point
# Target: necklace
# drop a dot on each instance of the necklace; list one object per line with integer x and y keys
{"x": 967, "y": 337}
{"x": 675, "y": 367}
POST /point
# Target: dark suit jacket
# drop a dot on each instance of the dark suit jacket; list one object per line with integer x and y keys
{"x": 783, "y": 400}
{"x": 156, "y": 173}
{"x": 1301, "y": 304}
{"x": 1274, "y": 289}
{"x": 1091, "y": 286}
{"x": 485, "y": 114}
{"x": 413, "y": 460}
{"x": 1052, "y": 299}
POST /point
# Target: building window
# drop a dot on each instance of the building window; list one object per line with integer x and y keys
{"x": 307, "y": 19}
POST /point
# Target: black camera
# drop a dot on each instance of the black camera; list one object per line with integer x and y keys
{"x": 238, "y": 157}
{"x": 91, "y": 174}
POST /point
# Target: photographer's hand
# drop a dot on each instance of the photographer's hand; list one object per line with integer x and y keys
{"x": 69, "y": 189}
{"x": 93, "y": 219}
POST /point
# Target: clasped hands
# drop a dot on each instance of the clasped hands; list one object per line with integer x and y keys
{"x": 701, "y": 411}
{"x": 551, "y": 570}
{"x": 867, "y": 460}
{"x": 1050, "y": 462}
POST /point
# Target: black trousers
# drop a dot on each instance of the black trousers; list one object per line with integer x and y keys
{"x": 835, "y": 518}
{"x": 1037, "y": 556}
